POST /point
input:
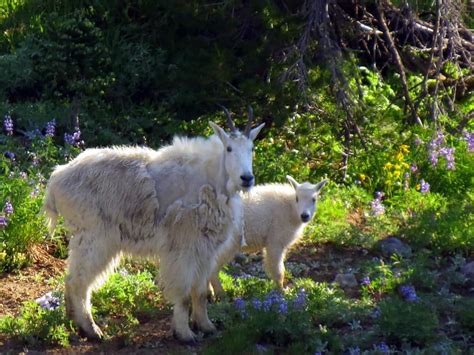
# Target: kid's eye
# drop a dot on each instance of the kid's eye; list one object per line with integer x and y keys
{"x": 229, "y": 149}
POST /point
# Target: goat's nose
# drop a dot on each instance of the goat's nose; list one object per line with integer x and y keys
{"x": 247, "y": 180}
{"x": 305, "y": 216}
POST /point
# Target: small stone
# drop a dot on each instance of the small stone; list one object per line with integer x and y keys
{"x": 393, "y": 245}
{"x": 468, "y": 270}
{"x": 347, "y": 280}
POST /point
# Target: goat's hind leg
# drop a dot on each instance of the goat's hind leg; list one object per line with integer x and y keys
{"x": 88, "y": 264}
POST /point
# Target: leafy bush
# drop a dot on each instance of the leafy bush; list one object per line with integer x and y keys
{"x": 267, "y": 321}
{"x": 124, "y": 298}
{"x": 37, "y": 325}
{"x": 401, "y": 321}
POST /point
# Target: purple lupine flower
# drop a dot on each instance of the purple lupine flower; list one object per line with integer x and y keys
{"x": 300, "y": 301}
{"x": 413, "y": 168}
{"x": 259, "y": 348}
{"x": 50, "y": 128}
{"x": 35, "y": 191}
{"x": 8, "y": 208}
{"x": 469, "y": 138}
{"x": 354, "y": 351}
{"x": 377, "y": 208}
{"x": 424, "y": 186}
{"x": 406, "y": 181}
{"x": 10, "y": 155}
{"x": 448, "y": 154}
{"x": 418, "y": 141}
{"x": 48, "y": 301}
{"x": 434, "y": 158}
{"x": 365, "y": 281}
{"x": 283, "y": 307}
{"x": 41, "y": 178}
{"x": 376, "y": 313}
{"x": 73, "y": 139}
{"x": 35, "y": 160}
{"x": 123, "y": 272}
{"x": 434, "y": 147}
{"x": 239, "y": 303}
{"x": 3, "y": 221}
{"x": 382, "y": 347}
{"x": 257, "y": 304}
{"x": 23, "y": 175}
{"x": 439, "y": 138}
{"x": 409, "y": 294}
{"x": 8, "y": 125}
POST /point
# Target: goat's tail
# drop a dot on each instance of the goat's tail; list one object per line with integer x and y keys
{"x": 49, "y": 210}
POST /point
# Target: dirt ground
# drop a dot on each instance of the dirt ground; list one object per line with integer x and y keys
{"x": 154, "y": 336}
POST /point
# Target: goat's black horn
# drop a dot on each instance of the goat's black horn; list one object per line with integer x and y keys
{"x": 230, "y": 123}
{"x": 249, "y": 122}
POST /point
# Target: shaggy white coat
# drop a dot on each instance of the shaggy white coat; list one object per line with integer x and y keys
{"x": 178, "y": 204}
{"x": 273, "y": 221}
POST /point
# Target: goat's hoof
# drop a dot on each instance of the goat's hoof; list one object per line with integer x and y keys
{"x": 92, "y": 332}
{"x": 188, "y": 339}
{"x": 206, "y": 328}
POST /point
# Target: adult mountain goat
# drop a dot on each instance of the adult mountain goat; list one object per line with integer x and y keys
{"x": 179, "y": 204}
{"x": 275, "y": 216}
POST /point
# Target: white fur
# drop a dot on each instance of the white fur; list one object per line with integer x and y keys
{"x": 178, "y": 204}
{"x": 273, "y": 222}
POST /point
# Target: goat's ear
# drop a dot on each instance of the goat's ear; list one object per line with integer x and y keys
{"x": 292, "y": 181}
{"x": 219, "y": 132}
{"x": 254, "y": 132}
{"x": 320, "y": 185}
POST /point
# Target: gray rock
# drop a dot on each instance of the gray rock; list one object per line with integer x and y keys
{"x": 393, "y": 245}
{"x": 468, "y": 270}
{"x": 347, "y": 280}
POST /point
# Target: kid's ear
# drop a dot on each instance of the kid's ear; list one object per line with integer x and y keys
{"x": 292, "y": 181}
{"x": 219, "y": 132}
{"x": 320, "y": 185}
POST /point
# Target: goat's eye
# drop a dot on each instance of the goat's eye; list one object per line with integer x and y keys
{"x": 297, "y": 199}
{"x": 229, "y": 149}
{"x": 314, "y": 200}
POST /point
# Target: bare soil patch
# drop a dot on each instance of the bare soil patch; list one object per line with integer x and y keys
{"x": 29, "y": 283}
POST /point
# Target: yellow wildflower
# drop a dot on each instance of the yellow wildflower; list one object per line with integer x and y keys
{"x": 396, "y": 173}
{"x": 418, "y": 186}
{"x": 404, "y": 148}
{"x": 388, "y": 165}
{"x": 362, "y": 177}
{"x": 400, "y": 156}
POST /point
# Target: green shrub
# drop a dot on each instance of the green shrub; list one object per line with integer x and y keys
{"x": 401, "y": 321}
{"x": 464, "y": 309}
{"x": 37, "y": 325}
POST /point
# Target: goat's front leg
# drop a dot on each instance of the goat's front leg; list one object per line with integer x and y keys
{"x": 199, "y": 307}
{"x": 274, "y": 265}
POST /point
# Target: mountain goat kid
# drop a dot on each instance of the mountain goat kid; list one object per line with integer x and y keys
{"x": 275, "y": 216}
{"x": 179, "y": 204}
